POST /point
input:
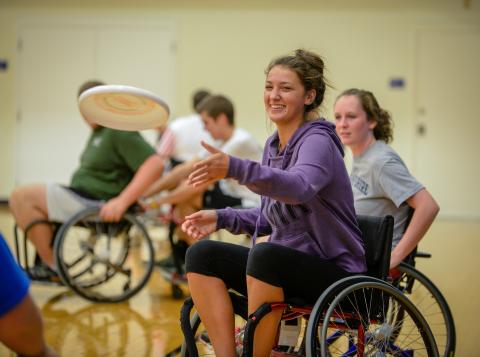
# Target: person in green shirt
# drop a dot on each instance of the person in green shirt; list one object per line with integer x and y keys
{"x": 116, "y": 167}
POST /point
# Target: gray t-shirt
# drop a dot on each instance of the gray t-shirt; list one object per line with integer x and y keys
{"x": 381, "y": 184}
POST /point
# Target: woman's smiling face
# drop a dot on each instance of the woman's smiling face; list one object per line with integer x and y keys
{"x": 284, "y": 96}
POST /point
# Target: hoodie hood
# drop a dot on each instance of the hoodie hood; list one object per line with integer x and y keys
{"x": 320, "y": 125}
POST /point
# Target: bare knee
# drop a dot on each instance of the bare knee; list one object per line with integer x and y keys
{"x": 16, "y": 198}
{"x": 29, "y": 200}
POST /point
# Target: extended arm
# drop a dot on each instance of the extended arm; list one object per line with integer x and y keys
{"x": 202, "y": 223}
{"x": 246, "y": 220}
{"x": 171, "y": 179}
{"x": 182, "y": 193}
{"x": 312, "y": 171}
{"x": 426, "y": 210}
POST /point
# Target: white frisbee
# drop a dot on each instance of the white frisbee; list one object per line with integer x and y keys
{"x": 123, "y": 107}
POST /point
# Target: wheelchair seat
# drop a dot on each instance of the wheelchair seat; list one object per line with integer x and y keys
{"x": 377, "y": 236}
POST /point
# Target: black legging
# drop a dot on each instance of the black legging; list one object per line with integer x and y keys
{"x": 302, "y": 277}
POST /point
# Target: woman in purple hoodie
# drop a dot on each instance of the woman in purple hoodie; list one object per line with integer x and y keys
{"x": 306, "y": 211}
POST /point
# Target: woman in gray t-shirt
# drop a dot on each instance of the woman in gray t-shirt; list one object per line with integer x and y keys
{"x": 381, "y": 182}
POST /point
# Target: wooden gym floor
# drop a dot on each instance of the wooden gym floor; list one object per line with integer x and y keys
{"x": 148, "y": 324}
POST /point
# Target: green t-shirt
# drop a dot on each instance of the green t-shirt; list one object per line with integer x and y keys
{"x": 109, "y": 162}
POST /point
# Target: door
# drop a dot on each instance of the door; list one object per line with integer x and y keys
{"x": 448, "y": 119}
{"x": 54, "y": 60}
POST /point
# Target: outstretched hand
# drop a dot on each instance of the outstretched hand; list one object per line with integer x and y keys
{"x": 200, "y": 224}
{"x": 212, "y": 169}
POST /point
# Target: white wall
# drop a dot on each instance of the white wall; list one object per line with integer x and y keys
{"x": 225, "y": 46}
{"x": 7, "y": 103}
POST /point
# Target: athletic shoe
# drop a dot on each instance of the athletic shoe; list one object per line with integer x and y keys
{"x": 42, "y": 272}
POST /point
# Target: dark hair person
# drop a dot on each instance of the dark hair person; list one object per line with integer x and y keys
{"x": 307, "y": 212}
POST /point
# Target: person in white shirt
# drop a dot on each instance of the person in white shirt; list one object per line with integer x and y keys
{"x": 180, "y": 141}
{"x": 217, "y": 115}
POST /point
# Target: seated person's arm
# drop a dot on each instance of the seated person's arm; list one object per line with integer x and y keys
{"x": 148, "y": 172}
{"x": 182, "y": 193}
{"x": 297, "y": 184}
{"x": 247, "y": 220}
{"x": 171, "y": 179}
{"x": 426, "y": 210}
{"x": 243, "y": 221}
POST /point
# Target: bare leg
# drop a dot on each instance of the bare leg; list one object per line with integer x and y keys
{"x": 21, "y": 330}
{"x": 214, "y": 306}
{"x": 29, "y": 203}
{"x": 266, "y": 331}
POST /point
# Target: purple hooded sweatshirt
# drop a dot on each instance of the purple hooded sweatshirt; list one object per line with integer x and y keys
{"x": 307, "y": 200}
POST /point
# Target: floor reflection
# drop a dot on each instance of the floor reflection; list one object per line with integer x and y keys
{"x": 146, "y": 325}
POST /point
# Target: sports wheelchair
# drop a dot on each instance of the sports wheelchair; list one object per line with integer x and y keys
{"x": 428, "y": 299}
{"x": 363, "y": 315}
{"x": 100, "y": 261}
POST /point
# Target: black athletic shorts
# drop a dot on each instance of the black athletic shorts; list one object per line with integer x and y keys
{"x": 302, "y": 277}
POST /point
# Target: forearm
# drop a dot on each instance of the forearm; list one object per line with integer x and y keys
{"x": 182, "y": 193}
{"x": 246, "y": 221}
{"x": 156, "y": 187}
{"x": 294, "y": 186}
{"x": 172, "y": 179}
{"x": 150, "y": 170}
{"x": 426, "y": 209}
{"x": 309, "y": 172}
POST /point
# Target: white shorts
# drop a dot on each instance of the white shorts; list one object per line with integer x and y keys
{"x": 63, "y": 203}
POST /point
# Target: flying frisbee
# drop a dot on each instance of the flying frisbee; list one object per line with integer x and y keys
{"x": 123, "y": 107}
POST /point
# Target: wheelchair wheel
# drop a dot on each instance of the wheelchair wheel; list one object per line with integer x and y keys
{"x": 196, "y": 342}
{"x": 431, "y": 303}
{"x": 103, "y": 261}
{"x": 357, "y": 321}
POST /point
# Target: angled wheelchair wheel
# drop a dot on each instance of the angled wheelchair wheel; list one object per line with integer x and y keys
{"x": 196, "y": 341}
{"x": 318, "y": 311}
{"x": 103, "y": 261}
{"x": 361, "y": 320}
{"x": 431, "y": 303}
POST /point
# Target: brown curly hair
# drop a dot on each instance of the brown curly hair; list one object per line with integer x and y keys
{"x": 309, "y": 68}
{"x": 384, "y": 128}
